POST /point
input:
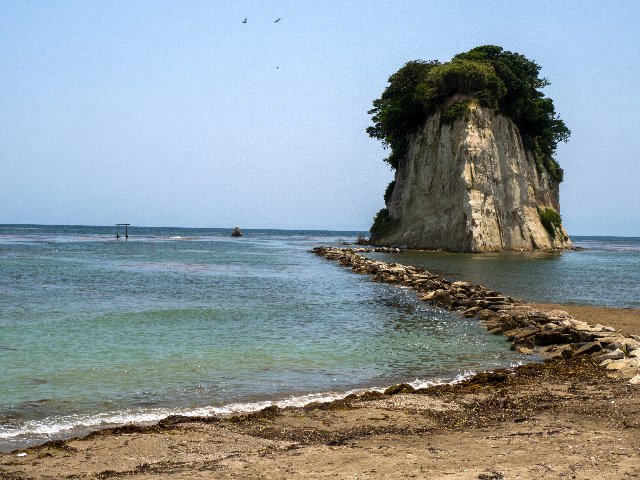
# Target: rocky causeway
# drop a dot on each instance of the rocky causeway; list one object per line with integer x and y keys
{"x": 552, "y": 334}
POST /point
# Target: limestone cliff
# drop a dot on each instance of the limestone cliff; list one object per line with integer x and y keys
{"x": 470, "y": 186}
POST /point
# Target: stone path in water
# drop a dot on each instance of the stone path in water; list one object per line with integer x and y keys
{"x": 551, "y": 334}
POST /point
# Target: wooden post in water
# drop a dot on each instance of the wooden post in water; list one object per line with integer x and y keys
{"x": 126, "y": 230}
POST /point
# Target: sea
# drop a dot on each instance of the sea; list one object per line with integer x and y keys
{"x": 99, "y": 331}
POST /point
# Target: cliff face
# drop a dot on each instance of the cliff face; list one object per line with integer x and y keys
{"x": 470, "y": 187}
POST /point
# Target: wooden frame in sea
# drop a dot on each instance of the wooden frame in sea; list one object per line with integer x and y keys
{"x": 126, "y": 230}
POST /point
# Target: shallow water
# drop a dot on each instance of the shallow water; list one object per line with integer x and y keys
{"x": 96, "y": 332}
{"x": 606, "y": 273}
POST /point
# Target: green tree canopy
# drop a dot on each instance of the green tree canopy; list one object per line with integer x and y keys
{"x": 505, "y": 81}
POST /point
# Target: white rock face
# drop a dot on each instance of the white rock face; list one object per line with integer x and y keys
{"x": 470, "y": 187}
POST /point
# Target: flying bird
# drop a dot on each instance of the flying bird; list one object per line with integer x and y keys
{"x": 277, "y": 20}
{"x": 244, "y": 21}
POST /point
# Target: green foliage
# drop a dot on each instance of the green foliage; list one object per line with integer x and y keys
{"x": 396, "y": 114}
{"x": 505, "y": 81}
{"x": 389, "y": 191}
{"x": 382, "y": 223}
{"x": 456, "y": 110}
{"x": 550, "y": 219}
{"x": 463, "y": 76}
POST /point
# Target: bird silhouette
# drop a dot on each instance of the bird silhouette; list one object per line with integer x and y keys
{"x": 244, "y": 21}
{"x": 277, "y": 20}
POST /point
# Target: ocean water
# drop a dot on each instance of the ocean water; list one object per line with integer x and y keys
{"x": 97, "y": 332}
{"x": 606, "y": 273}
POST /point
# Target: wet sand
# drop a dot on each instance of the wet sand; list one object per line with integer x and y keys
{"x": 560, "y": 419}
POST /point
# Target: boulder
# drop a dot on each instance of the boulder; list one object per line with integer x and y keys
{"x": 553, "y": 337}
{"x": 563, "y": 352}
{"x": 486, "y": 314}
{"x": 624, "y": 364}
{"x": 623, "y": 343}
{"x": 616, "y": 354}
{"x": 521, "y": 333}
{"x": 443, "y": 299}
{"x": 471, "y": 312}
{"x": 589, "y": 348}
{"x": 429, "y": 296}
{"x": 603, "y": 328}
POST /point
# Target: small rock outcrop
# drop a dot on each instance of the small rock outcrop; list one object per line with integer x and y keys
{"x": 470, "y": 186}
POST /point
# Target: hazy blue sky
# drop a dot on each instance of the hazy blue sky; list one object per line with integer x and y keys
{"x": 176, "y": 113}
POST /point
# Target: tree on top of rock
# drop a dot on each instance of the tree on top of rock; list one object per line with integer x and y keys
{"x": 505, "y": 81}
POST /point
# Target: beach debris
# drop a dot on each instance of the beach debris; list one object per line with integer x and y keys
{"x": 553, "y": 334}
{"x": 21, "y": 454}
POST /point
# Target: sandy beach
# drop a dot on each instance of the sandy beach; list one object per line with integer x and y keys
{"x": 559, "y": 419}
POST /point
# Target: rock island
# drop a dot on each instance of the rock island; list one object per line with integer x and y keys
{"x": 472, "y": 143}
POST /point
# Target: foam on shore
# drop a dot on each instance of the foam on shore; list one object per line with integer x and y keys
{"x": 35, "y": 432}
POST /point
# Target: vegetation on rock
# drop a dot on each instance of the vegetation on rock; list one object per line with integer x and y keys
{"x": 389, "y": 191}
{"x": 456, "y": 110}
{"x": 504, "y": 81}
{"x": 382, "y": 222}
{"x": 550, "y": 219}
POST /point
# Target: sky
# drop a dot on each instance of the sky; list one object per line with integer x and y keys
{"x": 178, "y": 114}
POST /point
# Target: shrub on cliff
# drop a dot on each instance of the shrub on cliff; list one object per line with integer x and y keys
{"x": 505, "y": 81}
{"x": 382, "y": 222}
{"x": 456, "y": 110}
{"x": 550, "y": 220}
{"x": 389, "y": 191}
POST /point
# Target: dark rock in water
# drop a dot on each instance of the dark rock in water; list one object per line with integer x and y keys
{"x": 236, "y": 232}
{"x": 471, "y": 312}
{"x": 443, "y": 299}
{"x": 527, "y": 342}
{"x": 361, "y": 240}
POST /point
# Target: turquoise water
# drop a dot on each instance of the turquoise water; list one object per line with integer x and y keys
{"x": 606, "y": 273}
{"x": 97, "y": 332}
